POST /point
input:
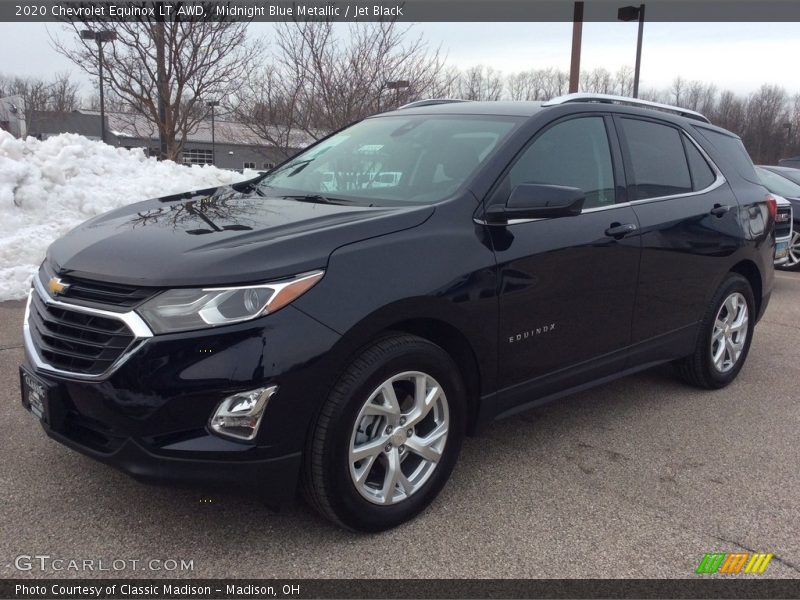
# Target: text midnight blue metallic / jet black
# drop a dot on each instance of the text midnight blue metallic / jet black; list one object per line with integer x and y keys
{"x": 338, "y": 325}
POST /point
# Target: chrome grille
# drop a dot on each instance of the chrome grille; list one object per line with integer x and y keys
{"x": 80, "y": 342}
{"x": 783, "y": 222}
{"x": 75, "y": 341}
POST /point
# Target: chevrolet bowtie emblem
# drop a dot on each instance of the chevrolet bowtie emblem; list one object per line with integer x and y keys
{"x": 56, "y": 286}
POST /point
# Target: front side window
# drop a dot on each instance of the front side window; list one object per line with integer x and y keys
{"x": 658, "y": 160}
{"x": 393, "y": 160}
{"x": 572, "y": 153}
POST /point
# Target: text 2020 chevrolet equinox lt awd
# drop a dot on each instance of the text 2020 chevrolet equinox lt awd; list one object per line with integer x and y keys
{"x": 341, "y": 323}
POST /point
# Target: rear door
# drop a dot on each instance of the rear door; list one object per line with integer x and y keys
{"x": 689, "y": 226}
{"x": 567, "y": 285}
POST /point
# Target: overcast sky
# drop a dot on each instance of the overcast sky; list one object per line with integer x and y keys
{"x": 736, "y": 56}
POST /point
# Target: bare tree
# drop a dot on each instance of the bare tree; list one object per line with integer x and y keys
{"x": 699, "y": 96}
{"x": 520, "y": 86}
{"x": 445, "y": 84}
{"x": 480, "y": 83}
{"x": 676, "y": 91}
{"x": 623, "y": 81}
{"x": 185, "y": 62}
{"x": 38, "y": 94}
{"x": 766, "y": 113}
{"x": 729, "y": 112}
{"x": 64, "y": 95}
{"x": 320, "y": 81}
{"x": 552, "y": 83}
{"x": 598, "y": 81}
{"x": 269, "y": 105}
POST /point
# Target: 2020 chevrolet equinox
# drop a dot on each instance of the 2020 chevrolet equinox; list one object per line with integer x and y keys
{"x": 340, "y": 324}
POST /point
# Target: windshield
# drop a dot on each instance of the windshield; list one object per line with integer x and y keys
{"x": 778, "y": 184}
{"x": 393, "y": 160}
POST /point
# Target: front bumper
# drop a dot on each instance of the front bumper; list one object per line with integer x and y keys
{"x": 149, "y": 417}
{"x": 271, "y": 479}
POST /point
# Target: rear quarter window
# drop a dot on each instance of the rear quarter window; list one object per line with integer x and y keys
{"x": 702, "y": 174}
{"x": 732, "y": 151}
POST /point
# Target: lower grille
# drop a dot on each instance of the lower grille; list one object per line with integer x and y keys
{"x": 76, "y": 341}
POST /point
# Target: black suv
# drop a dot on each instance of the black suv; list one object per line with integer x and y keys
{"x": 342, "y": 322}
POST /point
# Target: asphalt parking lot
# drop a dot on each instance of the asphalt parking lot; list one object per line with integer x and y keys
{"x": 638, "y": 478}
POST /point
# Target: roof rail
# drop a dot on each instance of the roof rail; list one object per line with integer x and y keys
{"x": 610, "y": 99}
{"x": 431, "y": 102}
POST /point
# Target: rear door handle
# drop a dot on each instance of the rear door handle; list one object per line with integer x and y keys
{"x": 720, "y": 210}
{"x": 620, "y": 230}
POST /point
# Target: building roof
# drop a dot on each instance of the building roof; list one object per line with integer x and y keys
{"x": 133, "y": 125}
{"x": 130, "y": 125}
{"x": 48, "y": 122}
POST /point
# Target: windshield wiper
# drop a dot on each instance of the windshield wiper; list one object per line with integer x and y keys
{"x": 320, "y": 199}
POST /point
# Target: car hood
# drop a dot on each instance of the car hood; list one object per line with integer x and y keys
{"x": 219, "y": 236}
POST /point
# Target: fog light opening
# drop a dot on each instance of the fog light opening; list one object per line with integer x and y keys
{"x": 239, "y": 416}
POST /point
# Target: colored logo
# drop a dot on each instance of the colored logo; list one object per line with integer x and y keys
{"x": 56, "y": 286}
{"x": 733, "y": 563}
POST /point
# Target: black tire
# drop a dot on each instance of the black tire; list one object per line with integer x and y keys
{"x": 327, "y": 483}
{"x": 698, "y": 369}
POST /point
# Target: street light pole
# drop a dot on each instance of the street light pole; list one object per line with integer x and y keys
{"x": 100, "y": 37}
{"x": 397, "y": 86}
{"x": 629, "y": 13}
{"x": 212, "y": 104}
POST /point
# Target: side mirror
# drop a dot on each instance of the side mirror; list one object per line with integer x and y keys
{"x": 537, "y": 201}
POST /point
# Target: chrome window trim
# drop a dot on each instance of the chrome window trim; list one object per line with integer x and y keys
{"x": 141, "y": 333}
{"x": 718, "y": 182}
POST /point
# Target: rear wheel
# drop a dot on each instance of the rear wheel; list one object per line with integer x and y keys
{"x": 388, "y": 435}
{"x": 725, "y": 335}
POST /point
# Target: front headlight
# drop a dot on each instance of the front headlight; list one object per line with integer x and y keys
{"x": 187, "y": 309}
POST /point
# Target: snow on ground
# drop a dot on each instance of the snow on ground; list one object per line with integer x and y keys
{"x": 48, "y": 187}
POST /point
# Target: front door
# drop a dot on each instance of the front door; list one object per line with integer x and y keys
{"x": 566, "y": 285}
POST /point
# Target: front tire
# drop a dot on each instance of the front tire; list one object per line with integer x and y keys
{"x": 388, "y": 435}
{"x": 724, "y": 338}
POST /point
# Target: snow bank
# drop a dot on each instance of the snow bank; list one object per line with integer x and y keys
{"x": 49, "y": 187}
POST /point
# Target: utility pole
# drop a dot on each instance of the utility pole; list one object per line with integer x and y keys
{"x": 577, "y": 37}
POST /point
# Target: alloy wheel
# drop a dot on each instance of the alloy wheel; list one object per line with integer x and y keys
{"x": 794, "y": 251}
{"x": 730, "y": 332}
{"x": 398, "y": 437}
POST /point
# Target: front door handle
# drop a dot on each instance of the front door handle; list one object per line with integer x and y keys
{"x": 620, "y": 230}
{"x": 720, "y": 210}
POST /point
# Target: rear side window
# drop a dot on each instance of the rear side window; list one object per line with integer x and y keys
{"x": 702, "y": 175}
{"x": 572, "y": 153}
{"x": 658, "y": 160}
{"x": 733, "y": 151}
